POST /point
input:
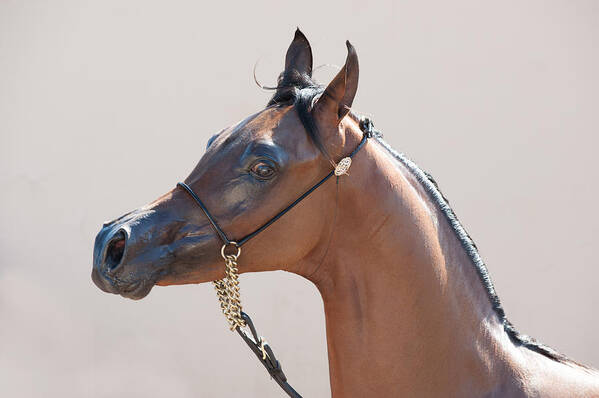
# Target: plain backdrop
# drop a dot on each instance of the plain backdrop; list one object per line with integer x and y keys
{"x": 105, "y": 105}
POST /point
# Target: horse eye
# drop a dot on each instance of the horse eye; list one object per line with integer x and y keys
{"x": 263, "y": 170}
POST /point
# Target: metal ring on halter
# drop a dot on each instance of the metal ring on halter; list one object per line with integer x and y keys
{"x": 234, "y": 244}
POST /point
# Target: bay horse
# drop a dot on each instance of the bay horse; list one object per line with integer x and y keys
{"x": 410, "y": 308}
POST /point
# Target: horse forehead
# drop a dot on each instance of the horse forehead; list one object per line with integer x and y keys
{"x": 266, "y": 122}
{"x": 273, "y": 123}
{"x": 281, "y": 127}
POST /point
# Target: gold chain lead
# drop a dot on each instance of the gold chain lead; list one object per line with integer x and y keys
{"x": 227, "y": 290}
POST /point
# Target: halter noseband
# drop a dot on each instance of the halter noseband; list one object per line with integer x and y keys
{"x": 228, "y": 287}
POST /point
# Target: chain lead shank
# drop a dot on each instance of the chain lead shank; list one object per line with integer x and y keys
{"x": 227, "y": 289}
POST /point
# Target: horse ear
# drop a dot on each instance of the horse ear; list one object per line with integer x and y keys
{"x": 336, "y": 100}
{"x": 299, "y": 56}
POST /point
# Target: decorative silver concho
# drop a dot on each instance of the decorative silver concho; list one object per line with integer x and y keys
{"x": 343, "y": 166}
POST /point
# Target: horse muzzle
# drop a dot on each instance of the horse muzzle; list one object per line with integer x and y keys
{"x": 109, "y": 271}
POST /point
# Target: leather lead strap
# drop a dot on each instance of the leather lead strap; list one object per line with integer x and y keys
{"x": 266, "y": 356}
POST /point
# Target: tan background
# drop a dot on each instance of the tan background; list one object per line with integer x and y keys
{"x": 105, "y": 105}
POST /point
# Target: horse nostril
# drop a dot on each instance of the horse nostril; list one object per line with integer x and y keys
{"x": 115, "y": 250}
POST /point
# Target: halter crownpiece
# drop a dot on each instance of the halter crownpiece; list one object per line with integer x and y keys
{"x": 227, "y": 289}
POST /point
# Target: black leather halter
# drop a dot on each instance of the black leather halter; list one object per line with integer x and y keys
{"x": 262, "y": 350}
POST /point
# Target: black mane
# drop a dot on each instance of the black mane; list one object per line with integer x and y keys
{"x": 431, "y": 187}
{"x": 300, "y": 91}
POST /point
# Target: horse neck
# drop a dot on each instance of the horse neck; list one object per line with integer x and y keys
{"x": 405, "y": 309}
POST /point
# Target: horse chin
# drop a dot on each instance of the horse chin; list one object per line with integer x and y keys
{"x": 131, "y": 290}
{"x": 137, "y": 290}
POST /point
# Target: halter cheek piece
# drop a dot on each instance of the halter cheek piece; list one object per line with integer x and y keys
{"x": 228, "y": 288}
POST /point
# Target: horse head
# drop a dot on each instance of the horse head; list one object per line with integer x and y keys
{"x": 248, "y": 172}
